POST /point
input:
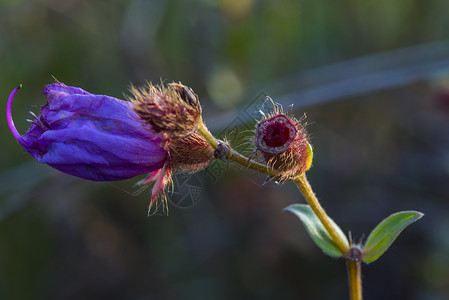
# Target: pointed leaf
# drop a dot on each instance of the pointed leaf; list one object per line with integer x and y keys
{"x": 316, "y": 229}
{"x": 381, "y": 238}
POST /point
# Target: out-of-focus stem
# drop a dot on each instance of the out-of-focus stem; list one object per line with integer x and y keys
{"x": 309, "y": 195}
{"x": 355, "y": 279}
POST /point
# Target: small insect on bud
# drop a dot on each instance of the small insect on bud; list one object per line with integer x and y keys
{"x": 187, "y": 95}
{"x": 174, "y": 109}
{"x": 284, "y": 144}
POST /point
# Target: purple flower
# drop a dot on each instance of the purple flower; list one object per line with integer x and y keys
{"x": 94, "y": 137}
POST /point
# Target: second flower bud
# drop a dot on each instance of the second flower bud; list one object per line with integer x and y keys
{"x": 284, "y": 144}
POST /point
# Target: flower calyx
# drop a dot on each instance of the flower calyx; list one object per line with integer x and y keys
{"x": 174, "y": 111}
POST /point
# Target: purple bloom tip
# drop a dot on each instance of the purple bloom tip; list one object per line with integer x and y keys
{"x": 9, "y": 119}
{"x": 94, "y": 137}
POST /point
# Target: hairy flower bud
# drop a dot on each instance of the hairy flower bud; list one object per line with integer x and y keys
{"x": 174, "y": 111}
{"x": 284, "y": 144}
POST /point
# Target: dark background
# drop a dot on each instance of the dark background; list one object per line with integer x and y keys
{"x": 378, "y": 121}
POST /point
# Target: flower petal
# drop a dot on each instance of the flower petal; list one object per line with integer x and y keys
{"x": 95, "y": 137}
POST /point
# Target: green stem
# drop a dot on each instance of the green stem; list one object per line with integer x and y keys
{"x": 354, "y": 267}
{"x": 309, "y": 195}
{"x": 301, "y": 181}
{"x": 251, "y": 164}
{"x": 235, "y": 156}
{"x": 355, "y": 279}
{"x": 206, "y": 134}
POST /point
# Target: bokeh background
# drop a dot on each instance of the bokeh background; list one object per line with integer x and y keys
{"x": 373, "y": 78}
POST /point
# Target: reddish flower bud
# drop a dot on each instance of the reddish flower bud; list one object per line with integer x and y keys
{"x": 284, "y": 144}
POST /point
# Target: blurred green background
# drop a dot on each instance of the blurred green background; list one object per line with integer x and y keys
{"x": 379, "y": 123}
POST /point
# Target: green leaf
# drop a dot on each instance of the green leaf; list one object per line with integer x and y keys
{"x": 316, "y": 229}
{"x": 381, "y": 238}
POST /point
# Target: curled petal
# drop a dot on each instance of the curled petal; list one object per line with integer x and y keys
{"x": 9, "y": 119}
